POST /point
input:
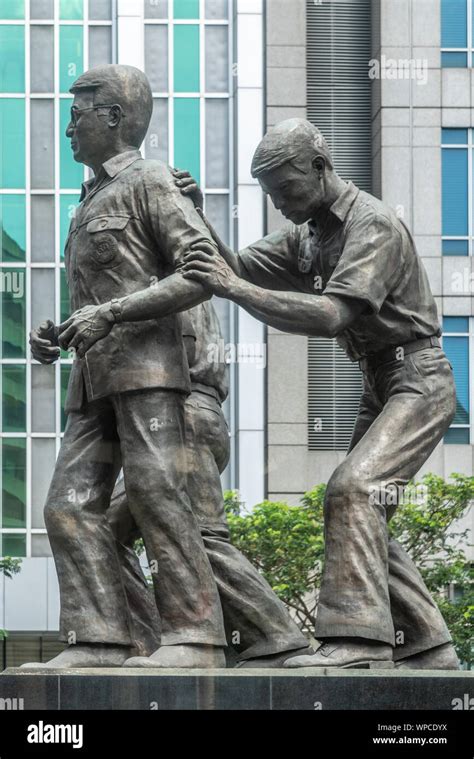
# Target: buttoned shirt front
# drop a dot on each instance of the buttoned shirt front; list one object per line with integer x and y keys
{"x": 362, "y": 251}
{"x": 130, "y": 231}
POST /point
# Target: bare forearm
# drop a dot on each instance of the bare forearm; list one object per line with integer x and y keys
{"x": 170, "y": 295}
{"x": 312, "y": 315}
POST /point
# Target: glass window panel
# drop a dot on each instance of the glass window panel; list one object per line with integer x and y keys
{"x": 43, "y": 458}
{"x": 455, "y": 248}
{"x": 12, "y": 58}
{"x": 156, "y": 56}
{"x": 457, "y": 436}
{"x": 217, "y": 211}
{"x": 42, "y": 59}
{"x": 42, "y": 144}
{"x": 13, "y": 482}
{"x": 71, "y": 9}
{"x": 453, "y": 23}
{"x": 70, "y": 55}
{"x": 13, "y": 398}
{"x": 186, "y": 8}
{"x": 100, "y": 9}
{"x": 156, "y": 143}
{"x": 42, "y": 8}
{"x": 100, "y": 45}
{"x": 67, "y": 208}
{"x": 156, "y": 8}
{"x": 217, "y": 59}
{"x": 42, "y": 398}
{"x": 186, "y": 58}
{"x": 453, "y": 60}
{"x": 217, "y": 143}
{"x": 217, "y": 9}
{"x": 65, "y": 372}
{"x": 12, "y": 132}
{"x": 187, "y": 135}
{"x": 457, "y": 351}
{"x": 455, "y": 191}
{"x": 14, "y": 545}
{"x": 454, "y": 136}
{"x": 13, "y": 323}
{"x": 71, "y": 172}
{"x": 42, "y": 228}
{"x": 42, "y": 295}
{"x": 12, "y": 9}
{"x": 12, "y": 227}
{"x": 65, "y": 309}
{"x": 455, "y": 324}
{"x": 40, "y": 546}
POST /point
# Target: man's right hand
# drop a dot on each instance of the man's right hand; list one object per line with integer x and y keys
{"x": 44, "y": 343}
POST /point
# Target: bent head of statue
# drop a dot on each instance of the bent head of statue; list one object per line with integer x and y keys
{"x": 294, "y": 166}
{"x": 110, "y": 113}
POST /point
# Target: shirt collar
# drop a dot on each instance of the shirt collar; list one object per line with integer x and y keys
{"x": 341, "y": 206}
{"x": 120, "y": 161}
{"x": 343, "y": 203}
{"x": 111, "y": 167}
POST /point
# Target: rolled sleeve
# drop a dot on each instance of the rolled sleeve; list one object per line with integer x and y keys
{"x": 371, "y": 262}
{"x": 175, "y": 223}
{"x": 271, "y": 263}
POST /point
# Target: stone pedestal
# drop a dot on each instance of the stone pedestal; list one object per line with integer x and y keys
{"x": 263, "y": 689}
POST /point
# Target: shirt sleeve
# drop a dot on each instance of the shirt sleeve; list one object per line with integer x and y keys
{"x": 174, "y": 221}
{"x": 272, "y": 262}
{"x": 371, "y": 262}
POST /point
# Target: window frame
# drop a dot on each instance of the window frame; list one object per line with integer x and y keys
{"x": 469, "y": 49}
{"x": 470, "y": 343}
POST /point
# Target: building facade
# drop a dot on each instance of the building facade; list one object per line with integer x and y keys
{"x": 387, "y": 81}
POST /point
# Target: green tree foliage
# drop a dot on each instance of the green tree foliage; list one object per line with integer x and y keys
{"x": 8, "y": 567}
{"x": 286, "y": 543}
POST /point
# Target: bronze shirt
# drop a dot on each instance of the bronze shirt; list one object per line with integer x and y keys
{"x": 131, "y": 230}
{"x": 364, "y": 251}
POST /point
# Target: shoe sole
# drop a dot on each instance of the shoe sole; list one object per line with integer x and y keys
{"x": 372, "y": 664}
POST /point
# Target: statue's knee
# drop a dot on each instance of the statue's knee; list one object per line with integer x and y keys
{"x": 346, "y": 482}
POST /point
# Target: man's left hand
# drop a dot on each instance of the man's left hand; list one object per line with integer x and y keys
{"x": 85, "y": 327}
{"x": 210, "y": 270}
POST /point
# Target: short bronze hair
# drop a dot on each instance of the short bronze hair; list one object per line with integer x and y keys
{"x": 125, "y": 86}
{"x": 290, "y": 141}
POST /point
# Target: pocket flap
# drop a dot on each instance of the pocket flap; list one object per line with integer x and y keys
{"x": 103, "y": 223}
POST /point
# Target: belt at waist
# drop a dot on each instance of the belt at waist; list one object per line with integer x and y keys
{"x": 206, "y": 390}
{"x": 373, "y": 360}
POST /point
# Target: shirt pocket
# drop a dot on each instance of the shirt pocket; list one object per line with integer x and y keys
{"x": 106, "y": 237}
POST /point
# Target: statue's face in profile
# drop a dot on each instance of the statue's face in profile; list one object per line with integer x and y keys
{"x": 88, "y": 129}
{"x": 296, "y": 194}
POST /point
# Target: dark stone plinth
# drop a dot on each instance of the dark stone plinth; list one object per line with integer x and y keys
{"x": 304, "y": 689}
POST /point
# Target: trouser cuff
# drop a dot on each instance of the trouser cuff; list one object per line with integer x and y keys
{"x": 347, "y": 630}
{"x": 274, "y": 645}
{"x": 192, "y": 637}
{"x": 420, "y": 646}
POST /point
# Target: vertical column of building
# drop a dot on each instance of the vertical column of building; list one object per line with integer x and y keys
{"x": 287, "y": 384}
{"x": 130, "y": 33}
{"x": 421, "y": 112}
{"x": 250, "y": 333}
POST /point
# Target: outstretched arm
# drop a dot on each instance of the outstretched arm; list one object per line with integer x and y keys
{"x": 92, "y": 323}
{"x": 314, "y": 315}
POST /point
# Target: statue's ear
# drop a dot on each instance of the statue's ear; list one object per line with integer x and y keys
{"x": 319, "y": 164}
{"x": 115, "y": 116}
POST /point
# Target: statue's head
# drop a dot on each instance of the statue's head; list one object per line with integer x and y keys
{"x": 292, "y": 163}
{"x": 111, "y": 112}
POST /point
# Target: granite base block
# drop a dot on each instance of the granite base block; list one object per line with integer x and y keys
{"x": 227, "y": 689}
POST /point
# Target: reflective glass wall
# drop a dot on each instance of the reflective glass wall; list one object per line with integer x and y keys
{"x": 44, "y": 46}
